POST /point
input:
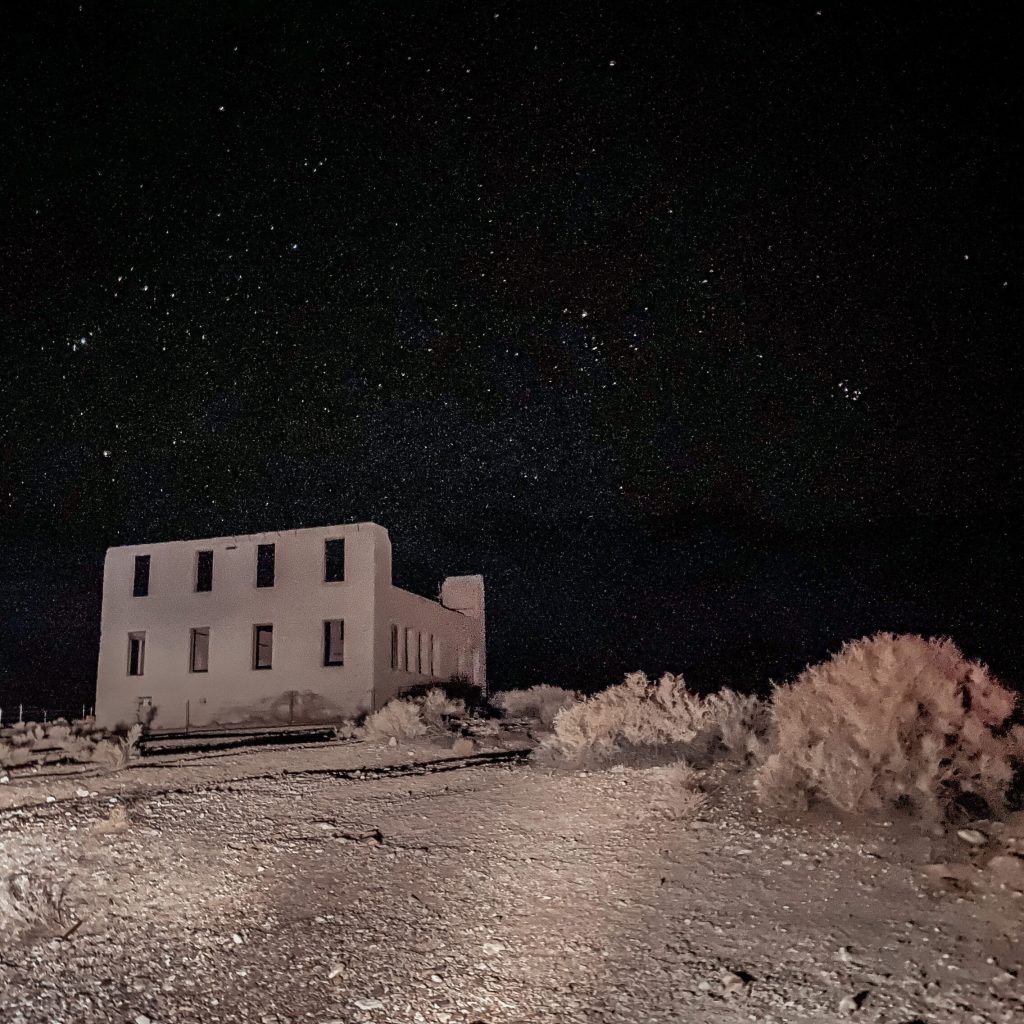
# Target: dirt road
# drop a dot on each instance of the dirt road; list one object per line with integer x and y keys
{"x": 492, "y": 894}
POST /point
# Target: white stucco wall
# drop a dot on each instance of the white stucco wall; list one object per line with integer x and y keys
{"x": 298, "y": 687}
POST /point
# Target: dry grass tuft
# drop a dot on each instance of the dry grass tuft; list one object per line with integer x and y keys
{"x": 678, "y": 795}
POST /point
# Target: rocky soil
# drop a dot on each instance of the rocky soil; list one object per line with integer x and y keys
{"x": 489, "y": 894}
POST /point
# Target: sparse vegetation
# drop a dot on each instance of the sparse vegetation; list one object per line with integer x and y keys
{"x": 540, "y": 703}
{"x": 892, "y": 721}
{"x": 398, "y": 719}
{"x": 28, "y": 901}
{"x": 678, "y": 795}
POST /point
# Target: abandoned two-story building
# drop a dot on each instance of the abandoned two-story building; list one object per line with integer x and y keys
{"x": 273, "y": 628}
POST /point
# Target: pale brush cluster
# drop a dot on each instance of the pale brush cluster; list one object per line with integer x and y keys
{"x": 541, "y": 703}
{"x": 408, "y": 718}
{"x": 639, "y": 713}
{"x": 892, "y": 721}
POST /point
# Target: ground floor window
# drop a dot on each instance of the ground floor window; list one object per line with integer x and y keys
{"x": 136, "y": 653}
{"x": 334, "y": 642}
{"x": 262, "y": 645}
{"x": 394, "y": 646}
{"x": 199, "y": 649}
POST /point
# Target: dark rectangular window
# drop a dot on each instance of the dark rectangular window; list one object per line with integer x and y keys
{"x": 140, "y": 585}
{"x": 420, "y": 637}
{"x": 432, "y": 648}
{"x": 262, "y": 646}
{"x": 334, "y": 642}
{"x": 199, "y": 650}
{"x": 334, "y": 560}
{"x": 204, "y": 571}
{"x": 265, "y": 565}
{"x": 136, "y": 654}
{"x": 394, "y": 646}
{"x": 406, "y": 660}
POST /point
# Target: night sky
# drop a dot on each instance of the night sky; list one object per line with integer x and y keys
{"x": 696, "y": 329}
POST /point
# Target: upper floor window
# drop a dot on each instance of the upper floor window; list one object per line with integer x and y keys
{"x": 265, "y": 565}
{"x": 334, "y": 642}
{"x": 394, "y": 646}
{"x": 262, "y": 646}
{"x": 334, "y": 560}
{"x": 140, "y": 584}
{"x": 204, "y": 571}
{"x": 136, "y": 654}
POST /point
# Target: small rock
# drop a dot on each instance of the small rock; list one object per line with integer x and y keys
{"x": 236, "y": 938}
{"x": 392, "y": 741}
{"x": 973, "y": 836}
{"x": 851, "y": 1004}
{"x": 736, "y": 982}
{"x": 1008, "y": 869}
{"x": 82, "y": 793}
{"x": 51, "y": 799}
{"x": 141, "y": 1018}
{"x": 493, "y": 948}
{"x": 335, "y": 971}
{"x": 369, "y": 1004}
{"x": 4, "y": 779}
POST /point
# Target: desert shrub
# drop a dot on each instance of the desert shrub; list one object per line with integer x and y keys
{"x": 737, "y": 723}
{"x": 346, "y": 730}
{"x": 398, "y": 719}
{"x": 436, "y": 708}
{"x": 78, "y": 748}
{"x": 115, "y": 754}
{"x": 28, "y": 900}
{"x": 892, "y": 721}
{"x": 454, "y": 688}
{"x": 677, "y": 794}
{"x": 14, "y": 756}
{"x": 58, "y": 733}
{"x": 541, "y": 703}
{"x": 636, "y": 713}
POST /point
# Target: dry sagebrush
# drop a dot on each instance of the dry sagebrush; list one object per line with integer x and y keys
{"x": 540, "y": 703}
{"x": 641, "y": 715}
{"x": 636, "y": 713}
{"x": 892, "y": 721}
{"x": 398, "y": 719}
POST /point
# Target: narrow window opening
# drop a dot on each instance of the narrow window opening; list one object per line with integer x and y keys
{"x": 334, "y": 560}
{"x": 199, "y": 649}
{"x": 394, "y": 646}
{"x": 433, "y": 655}
{"x": 204, "y": 571}
{"x": 334, "y": 642}
{"x": 136, "y": 654}
{"x": 262, "y": 646}
{"x": 140, "y": 584}
{"x": 265, "y": 565}
{"x": 406, "y": 647}
{"x": 421, "y": 638}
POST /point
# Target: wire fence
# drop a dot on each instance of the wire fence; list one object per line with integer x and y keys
{"x": 12, "y": 714}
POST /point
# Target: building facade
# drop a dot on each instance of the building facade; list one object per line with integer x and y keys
{"x": 292, "y": 627}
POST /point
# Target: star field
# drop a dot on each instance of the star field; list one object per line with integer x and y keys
{"x": 694, "y": 329}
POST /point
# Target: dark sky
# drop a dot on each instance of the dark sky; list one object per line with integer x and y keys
{"x": 696, "y": 328}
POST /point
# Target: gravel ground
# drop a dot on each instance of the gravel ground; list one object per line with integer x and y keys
{"x": 488, "y": 894}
